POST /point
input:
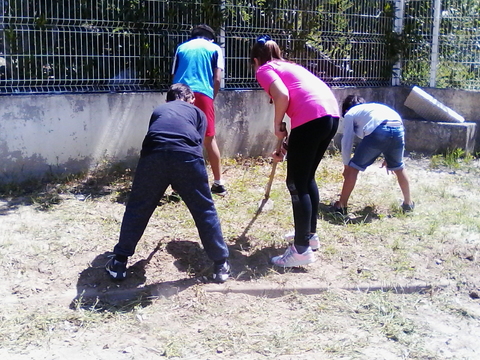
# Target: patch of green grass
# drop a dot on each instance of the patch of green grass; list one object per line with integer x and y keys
{"x": 453, "y": 159}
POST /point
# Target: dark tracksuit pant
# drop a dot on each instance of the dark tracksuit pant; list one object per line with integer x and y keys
{"x": 187, "y": 175}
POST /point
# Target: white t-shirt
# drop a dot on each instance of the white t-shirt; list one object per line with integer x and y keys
{"x": 362, "y": 120}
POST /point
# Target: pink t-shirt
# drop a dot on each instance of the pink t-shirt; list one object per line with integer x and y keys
{"x": 310, "y": 97}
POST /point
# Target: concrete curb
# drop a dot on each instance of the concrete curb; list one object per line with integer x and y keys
{"x": 117, "y": 296}
{"x": 282, "y": 290}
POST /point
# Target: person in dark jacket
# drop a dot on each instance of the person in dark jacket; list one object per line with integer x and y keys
{"x": 172, "y": 154}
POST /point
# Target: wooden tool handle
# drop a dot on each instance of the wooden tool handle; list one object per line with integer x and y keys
{"x": 270, "y": 181}
{"x": 278, "y": 150}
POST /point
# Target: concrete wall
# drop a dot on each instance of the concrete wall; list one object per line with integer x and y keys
{"x": 71, "y": 133}
{"x": 42, "y": 134}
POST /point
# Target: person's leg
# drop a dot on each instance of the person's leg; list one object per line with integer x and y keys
{"x": 307, "y": 145}
{"x": 394, "y": 160}
{"x": 404, "y": 184}
{"x": 314, "y": 201}
{"x": 329, "y": 127}
{"x": 205, "y": 104}
{"x": 191, "y": 182}
{"x": 214, "y": 157}
{"x": 148, "y": 187}
{"x": 299, "y": 163}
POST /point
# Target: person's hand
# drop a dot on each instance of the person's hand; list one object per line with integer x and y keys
{"x": 278, "y": 156}
{"x": 384, "y": 165}
{"x": 282, "y": 147}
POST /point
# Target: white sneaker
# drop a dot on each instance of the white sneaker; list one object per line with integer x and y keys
{"x": 292, "y": 258}
{"x": 314, "y": 240}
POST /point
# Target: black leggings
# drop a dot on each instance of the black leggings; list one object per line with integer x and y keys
{"x": 306, "y": 146}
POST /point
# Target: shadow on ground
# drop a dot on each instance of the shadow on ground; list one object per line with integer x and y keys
{"x": 97, "y": 292}
{"x": 363, "y": 216}
{"x": 257, "y": 263}
{"x": 190, "y": 258}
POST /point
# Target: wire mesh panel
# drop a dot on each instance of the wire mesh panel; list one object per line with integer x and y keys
{"x": 352, "y": 41}
{"x": 343, "y": 42}
{"x": 88, "y": 45}
{"x": 458, "y": 63}
{"x": 417, "y": 40}
{"x": 459, "y": 49}
{"x": 124, "y": 45}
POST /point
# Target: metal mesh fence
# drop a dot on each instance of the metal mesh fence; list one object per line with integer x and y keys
{"x": 86, "y": 45}
{"x": 459, "y": 49}
{"x": 344, "y": 46}
{"x": 441, "y": 43}
{"x": 417, "y": 40}
{"x": 128, "y": 45}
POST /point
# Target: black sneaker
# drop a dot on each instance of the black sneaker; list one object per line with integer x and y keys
{"x": 408, "y": 207}
{"x": 221, "y": 272}
{"x": 218, "y": 190}
{"x": 116, "y": 269}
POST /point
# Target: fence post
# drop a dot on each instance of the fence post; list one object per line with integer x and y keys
{"x": 3, "y": 46}
{"x": 435, "y": 34}
{"x": 222, "y": 43}
{"x": 398, "y": 28}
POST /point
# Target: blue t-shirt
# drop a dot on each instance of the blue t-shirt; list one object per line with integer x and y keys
{"x": 194, "y": 65}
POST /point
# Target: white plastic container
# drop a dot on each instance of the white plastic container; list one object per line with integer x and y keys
{"x": 430, "y": 108}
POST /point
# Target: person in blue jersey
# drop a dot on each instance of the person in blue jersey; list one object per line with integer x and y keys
{"x": 382, "y": 132}
{"x": 199, "y": 63}
{"x": 172, "y": 154}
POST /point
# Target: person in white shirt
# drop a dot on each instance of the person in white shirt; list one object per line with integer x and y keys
{"x": 382, "y": 132}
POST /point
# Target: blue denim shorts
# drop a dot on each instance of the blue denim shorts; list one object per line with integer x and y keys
{"x": 386, "y": 140}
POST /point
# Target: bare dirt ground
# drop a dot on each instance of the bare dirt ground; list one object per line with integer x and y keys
{"x": 385, "y": 285}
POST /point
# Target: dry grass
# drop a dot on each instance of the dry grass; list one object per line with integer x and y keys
{"x": 385, "y": 285}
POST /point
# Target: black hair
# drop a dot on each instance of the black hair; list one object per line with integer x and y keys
{"x": 180, "y": 92}
{"x": 203, "y": 31}
{"x": 350, "y": 101}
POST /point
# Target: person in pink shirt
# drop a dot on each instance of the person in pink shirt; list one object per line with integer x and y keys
{"x": 314, "y": 114}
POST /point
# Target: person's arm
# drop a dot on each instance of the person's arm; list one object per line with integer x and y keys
{"x": 217, "y": 80}
{"x": 217, "y": 72}
{"x": 281, "y": 98}
{"x": 347, "y": 139}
